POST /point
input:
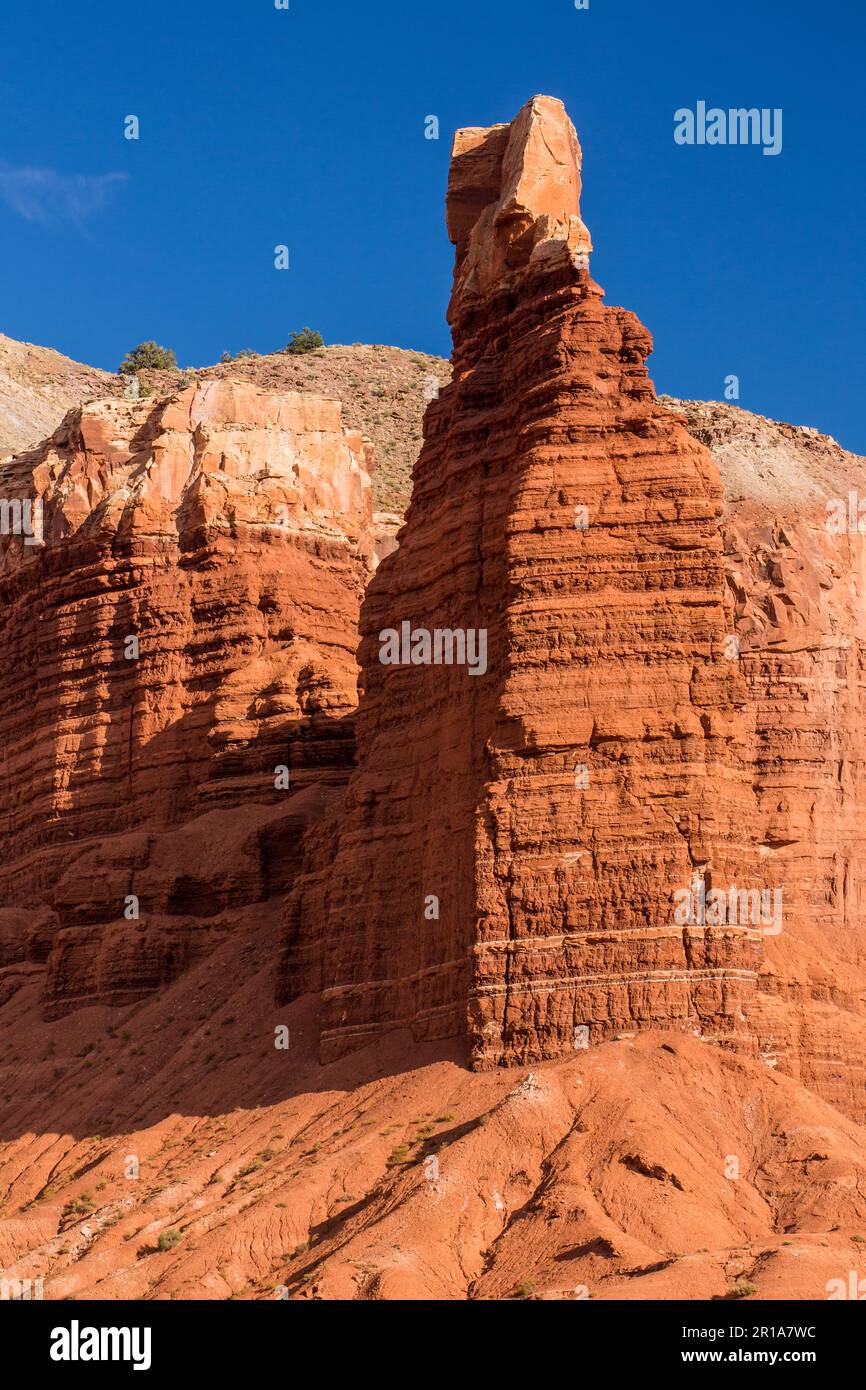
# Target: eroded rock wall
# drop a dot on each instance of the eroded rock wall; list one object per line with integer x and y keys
{"x": 186, "y": 627}
{"x": 794, "y": 531}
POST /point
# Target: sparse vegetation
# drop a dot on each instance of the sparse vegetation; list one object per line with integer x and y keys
{"x": 399, "y": 1155}
{"x": 168, "y": 1240}
{"x": 308, "y": 340}
{"x": 148, "y": 356}
{"x": 79, "y": 1206}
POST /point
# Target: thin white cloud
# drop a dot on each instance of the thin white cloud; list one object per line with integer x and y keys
{"x": 43, "y": 195}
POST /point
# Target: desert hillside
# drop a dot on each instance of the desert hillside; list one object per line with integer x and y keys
{"x": 37, "y": 387}
{"x": 166, "y": 1150}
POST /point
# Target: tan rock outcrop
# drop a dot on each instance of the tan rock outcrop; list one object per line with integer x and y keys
{"x": 513, "y": 205}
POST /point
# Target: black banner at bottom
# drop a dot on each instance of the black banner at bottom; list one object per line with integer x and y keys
{"x": 84, "y": 1340}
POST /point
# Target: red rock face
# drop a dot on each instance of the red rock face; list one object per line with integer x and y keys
{"x": 507, "y": 863}
{"x": 803, "y": 634}
{"x": 795, "y": 559}
{"x": 186, "y": 628}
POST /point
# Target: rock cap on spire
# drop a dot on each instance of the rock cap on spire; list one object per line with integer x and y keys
{"x": 513, "y": 201}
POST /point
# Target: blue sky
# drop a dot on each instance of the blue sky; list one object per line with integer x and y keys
{"x": 306, "y": 127}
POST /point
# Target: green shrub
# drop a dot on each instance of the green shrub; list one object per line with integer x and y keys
{"x": 401, "y": 1154}
{"x": 79, "y": 1206}
{"x": 146, "y": 356}
{"x": 169, "y": 1239}
{"x": 305, "y": 341}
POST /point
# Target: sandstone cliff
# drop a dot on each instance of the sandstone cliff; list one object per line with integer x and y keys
{"x": 183, "y": 631}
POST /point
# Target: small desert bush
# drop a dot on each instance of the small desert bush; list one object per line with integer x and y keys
{"x": 148, "y": 356}
{"x": 308, "y": 340}
{"x": 399, "y": 1155}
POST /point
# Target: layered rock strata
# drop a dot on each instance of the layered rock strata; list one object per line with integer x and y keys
{"x": 507, "y": 864}
{"x": 794, "y": 531}
{"x": 179, "y": 593}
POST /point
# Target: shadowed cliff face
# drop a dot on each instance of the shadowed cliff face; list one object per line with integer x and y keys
{"x": 507, "y": 863}
{"x": 184, "y": 630}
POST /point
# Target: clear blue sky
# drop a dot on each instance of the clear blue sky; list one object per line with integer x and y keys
{"x": 306, "y": 127}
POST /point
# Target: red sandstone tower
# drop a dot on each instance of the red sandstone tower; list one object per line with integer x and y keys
{"x": 505, "y": 864}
